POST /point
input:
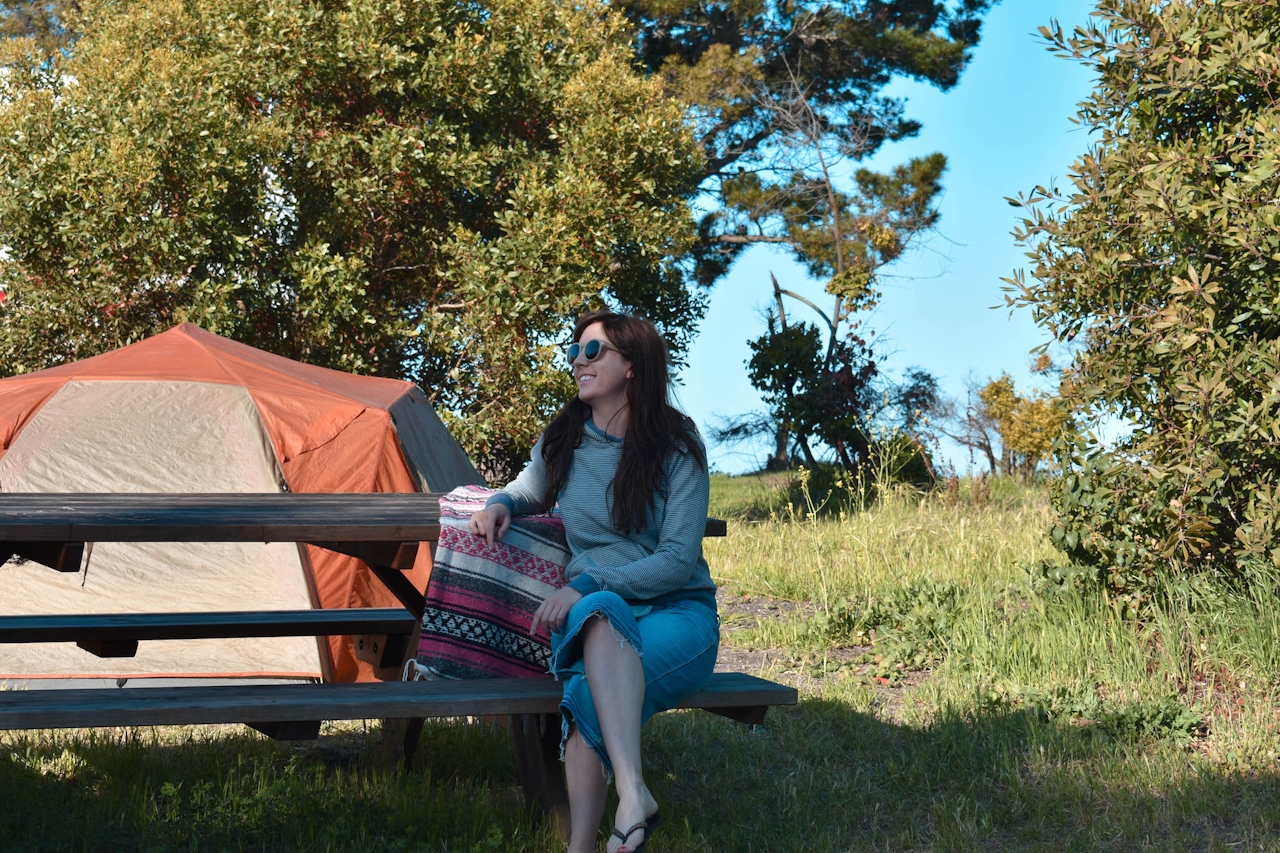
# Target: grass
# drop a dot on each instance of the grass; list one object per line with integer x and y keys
{"x": 951, "y": 699}
{"x": 754, "y": 496}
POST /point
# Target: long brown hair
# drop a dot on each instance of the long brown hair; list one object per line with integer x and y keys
{"x": 655, "y": 428}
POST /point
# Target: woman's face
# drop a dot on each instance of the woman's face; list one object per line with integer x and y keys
{"x": 602, "y": 380}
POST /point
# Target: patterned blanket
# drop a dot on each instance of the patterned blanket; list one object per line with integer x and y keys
{"x": 481, "y": 599}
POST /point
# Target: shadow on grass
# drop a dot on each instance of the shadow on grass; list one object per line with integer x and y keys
{"x": 822, "y": 776}
{"x": 230, "y": 789}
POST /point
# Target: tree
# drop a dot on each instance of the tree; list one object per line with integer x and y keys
{"x": 44, "y": 21}
{"x": 811, "y": 396}
{"x": 840, "y": 400}
{"x": 1162, "y": 264}
{"x": 973, "y": 429}
{"x": 409, "y": 188}
{"x": 842, "y": 237}
{"x": 764, "y": 81}
{"x": 785, "y": 361}
{"x": 784, "y": 96}
{"x": 1027, "y": 425}
{"x": 1014, "y": 432}
{"x": 739, "y": 63}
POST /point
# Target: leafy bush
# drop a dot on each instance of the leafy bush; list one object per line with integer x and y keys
{"x": 908, "y": 629}
{"x": 1163, "y": 267}
{"x": 1096, "y": 716}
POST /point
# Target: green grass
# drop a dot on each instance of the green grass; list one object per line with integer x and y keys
{"x": 951, "y": 699}
{"x": 753, "y": 496}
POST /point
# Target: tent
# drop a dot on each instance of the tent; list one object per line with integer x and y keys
{"x": 189, "y": 411}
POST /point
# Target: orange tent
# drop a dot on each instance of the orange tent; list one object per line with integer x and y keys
{"x": 189, "y": 411}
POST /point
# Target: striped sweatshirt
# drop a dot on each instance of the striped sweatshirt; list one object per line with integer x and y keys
{"x": 661, "y": 563}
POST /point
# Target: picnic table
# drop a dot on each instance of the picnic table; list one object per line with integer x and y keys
{"x": 383, "y": 530}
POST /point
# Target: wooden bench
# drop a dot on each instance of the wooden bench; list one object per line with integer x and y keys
{"x": 385, "y": 531}
{"x": 116, "y": 635}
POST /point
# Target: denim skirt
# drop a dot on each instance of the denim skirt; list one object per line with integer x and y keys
{"x": 677, "y": 644}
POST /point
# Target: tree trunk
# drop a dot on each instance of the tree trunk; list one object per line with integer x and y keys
{"x": 846, "y": 462}
{"x": 781, "y": 459}
{"x": 808, "y": 454}
{"x": 991, "y": 458}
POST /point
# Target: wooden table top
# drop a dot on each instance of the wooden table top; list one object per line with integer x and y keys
{"x": 347, "y": 517}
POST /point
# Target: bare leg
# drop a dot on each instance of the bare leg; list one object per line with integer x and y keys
{"x": 616, "y": 677}
{"x": 587, "y": 791}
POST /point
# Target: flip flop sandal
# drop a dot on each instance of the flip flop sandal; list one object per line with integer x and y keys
{"x": 649, "y": 824}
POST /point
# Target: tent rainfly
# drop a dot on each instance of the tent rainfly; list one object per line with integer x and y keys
{"x": 188, "y": 411}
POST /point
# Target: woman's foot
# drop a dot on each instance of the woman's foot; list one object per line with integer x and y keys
{"x": 634, "y": 812}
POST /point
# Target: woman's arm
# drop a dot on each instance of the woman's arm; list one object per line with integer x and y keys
{"x": 672, "y": 563}
{"x": 526, "y": 494}
{"x": 522, "y": 496}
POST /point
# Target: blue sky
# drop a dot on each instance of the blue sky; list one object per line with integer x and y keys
{"x": 1005, "y": 128}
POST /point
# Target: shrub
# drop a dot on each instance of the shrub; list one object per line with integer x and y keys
{"x": 1163, "y": 267}
{"x": 908, "y": 630}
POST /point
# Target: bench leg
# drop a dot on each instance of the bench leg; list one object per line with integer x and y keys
{"x": 412, "y": 732}
{"x": 293, "y": 730}
{"x": 110, "y": 648}
{"x": 57, "y": 556}
{"x": 537, "y": 743}
{"x": 752, "y": 714}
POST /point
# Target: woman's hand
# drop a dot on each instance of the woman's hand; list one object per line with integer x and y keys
{"x": 493, "y": 520}
{"x": 554, "y": 608}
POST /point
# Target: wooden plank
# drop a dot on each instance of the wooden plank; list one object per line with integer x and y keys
{"x": 323, "y": 519}
{"x": 381, "y": 650}
{"x": 156, "y": 706}
{"x": 739, "y": 690}
{"x": 125, "y": 627}
{"x": 750, "y": 714}
{"x": 412, "y": 734}
{"x": 279, "y": 703}
{"x": 380, "y": 517}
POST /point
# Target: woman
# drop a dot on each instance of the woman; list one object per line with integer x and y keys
{"x": 635, "y": 631}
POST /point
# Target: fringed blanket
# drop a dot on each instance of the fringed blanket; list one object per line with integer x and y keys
{"x": 481, "y": 599}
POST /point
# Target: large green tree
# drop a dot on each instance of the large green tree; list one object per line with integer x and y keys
{"x": 766, "y": 87}
{"x": 414, "y": 188}
{"x": 745, "y": 66}
{"x": 737, "y": 66}
{"x": 1162, "y": 265}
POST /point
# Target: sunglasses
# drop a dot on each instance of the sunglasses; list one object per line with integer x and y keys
{"x": 591, "y": 350}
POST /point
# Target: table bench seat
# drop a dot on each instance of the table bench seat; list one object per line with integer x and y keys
{"x": 732, "y": 694}
{"x": 117, "y": 634}
{"x": 294, "y": 712}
